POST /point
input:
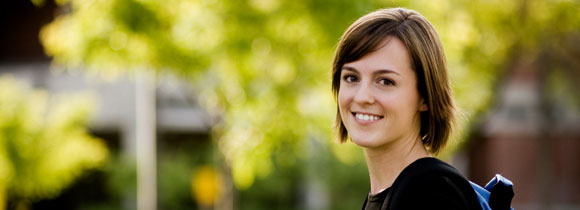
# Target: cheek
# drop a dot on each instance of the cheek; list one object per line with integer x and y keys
{"x": 408, "y": 104}
{"x": 399, "y": 103}
{"x": 413, "y": 99}
{"x": 343, "y": 100}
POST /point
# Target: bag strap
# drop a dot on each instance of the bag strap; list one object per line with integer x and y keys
{"x": 501, "y": 192}
{"x": 497, "y": 194}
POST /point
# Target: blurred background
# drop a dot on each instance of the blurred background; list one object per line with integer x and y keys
{"x": 208, "y": 104}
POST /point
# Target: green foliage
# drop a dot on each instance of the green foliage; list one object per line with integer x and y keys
{"x": 175, "y": 173}
{"x": 263, "y": 66}
{"x": 122, "y": 176}
{"x": 44, "y": 144}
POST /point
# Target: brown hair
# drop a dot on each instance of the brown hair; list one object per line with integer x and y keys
{"x": 427, "y": 60}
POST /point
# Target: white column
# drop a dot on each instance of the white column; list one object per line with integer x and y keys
{"x": 146, "y": 128}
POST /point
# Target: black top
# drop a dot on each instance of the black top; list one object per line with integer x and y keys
{"x": 376, "y": 201}
{"x": 427, "y": 183}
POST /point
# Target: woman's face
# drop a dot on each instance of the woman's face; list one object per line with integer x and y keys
{"x": 378, "y": 99}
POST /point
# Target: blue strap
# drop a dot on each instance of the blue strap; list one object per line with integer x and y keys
{"x": 483, "y": 194}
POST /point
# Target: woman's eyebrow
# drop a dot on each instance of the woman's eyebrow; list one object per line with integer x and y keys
{"x": 386, "y": 71}
{"x": 377, "y": 72}
{"x": 349, "y": 68}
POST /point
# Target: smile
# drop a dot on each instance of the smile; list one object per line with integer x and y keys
{"x": 367, "y": 117}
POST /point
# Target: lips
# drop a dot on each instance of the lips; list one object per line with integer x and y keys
{"x": 367, "y": 117}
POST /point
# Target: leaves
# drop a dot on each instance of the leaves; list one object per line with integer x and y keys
{"x": 44, "y": 144}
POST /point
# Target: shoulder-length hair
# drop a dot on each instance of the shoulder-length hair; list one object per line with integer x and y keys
{"x": 427, "y": 61}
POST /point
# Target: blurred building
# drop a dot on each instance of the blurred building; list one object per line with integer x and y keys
{"x": 531, "y": 136}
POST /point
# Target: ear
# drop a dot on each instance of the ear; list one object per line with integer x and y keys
{"x": 422, "y": 105}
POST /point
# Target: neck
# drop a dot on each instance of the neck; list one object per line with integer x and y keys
{"x": 386, "y": 163}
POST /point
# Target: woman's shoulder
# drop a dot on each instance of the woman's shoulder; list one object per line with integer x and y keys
{"x": 429, "y": 166}
{"x": 434, "y": 184}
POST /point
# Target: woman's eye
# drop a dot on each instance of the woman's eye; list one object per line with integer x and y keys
{"x": 350, "y": 78}
{"x": 386, "y": 82}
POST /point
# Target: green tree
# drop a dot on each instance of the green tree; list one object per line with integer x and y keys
{"x": 44, "y": 144}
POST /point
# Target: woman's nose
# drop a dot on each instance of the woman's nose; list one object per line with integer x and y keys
{"x": 364, "y": 95}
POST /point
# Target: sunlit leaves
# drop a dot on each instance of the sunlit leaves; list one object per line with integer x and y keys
{"x": 44, "y": 145}
{"x": 130, "y": 35}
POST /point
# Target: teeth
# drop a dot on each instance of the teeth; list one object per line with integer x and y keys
{"x": 366, "y": 117}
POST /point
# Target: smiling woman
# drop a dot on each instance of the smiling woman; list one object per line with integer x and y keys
{"x": 394, "y": 100}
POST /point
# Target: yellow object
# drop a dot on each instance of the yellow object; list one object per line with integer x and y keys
{"x": 205, "y": 185}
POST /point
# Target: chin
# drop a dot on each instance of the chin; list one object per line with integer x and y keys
{"x": 367, "y": 142}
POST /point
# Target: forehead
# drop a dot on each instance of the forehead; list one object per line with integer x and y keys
{"x": 391, "y": 54}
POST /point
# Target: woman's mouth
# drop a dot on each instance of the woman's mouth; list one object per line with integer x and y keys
{"x": 366, "y": 117}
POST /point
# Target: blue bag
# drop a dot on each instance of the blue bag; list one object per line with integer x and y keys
{"x": 496, "y": 195}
